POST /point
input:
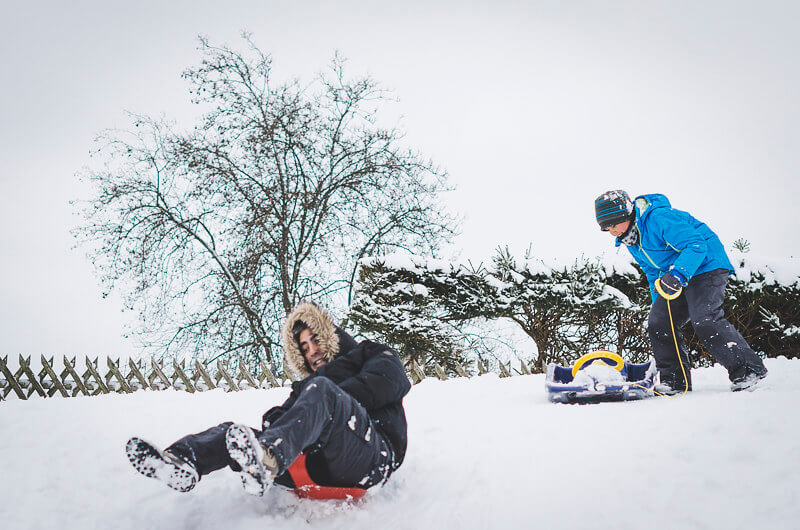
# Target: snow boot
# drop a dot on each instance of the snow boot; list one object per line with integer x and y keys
{"x": 670, "y": 385}
{"x": 259, "y": 465}
{"x": 748, "y": 381}
{"x": 175, "y": 472}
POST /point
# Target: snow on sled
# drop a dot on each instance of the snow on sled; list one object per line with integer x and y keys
{"x": 600, "y": 376}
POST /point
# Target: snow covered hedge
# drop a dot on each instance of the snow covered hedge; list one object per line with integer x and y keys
{"x": 425, "y": 307}
{"x": 763, "y": 302}
{"x": 419, "y": 307}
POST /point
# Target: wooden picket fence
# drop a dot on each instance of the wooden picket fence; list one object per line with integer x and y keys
{"x": 117, "y": 377}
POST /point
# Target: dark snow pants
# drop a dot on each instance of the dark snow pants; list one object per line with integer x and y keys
{"x": 700, "y": 303}
{"x": 324, "y": 419}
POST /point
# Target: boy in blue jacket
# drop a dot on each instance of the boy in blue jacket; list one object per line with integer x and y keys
{"x": 687, "y": 258}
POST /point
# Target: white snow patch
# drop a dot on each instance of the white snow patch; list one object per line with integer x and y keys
{"x": 782, "y": 271}
{"x": 87, "y": 481}
{"x": 409, "y": 262}
{"x": 597, "y": 373}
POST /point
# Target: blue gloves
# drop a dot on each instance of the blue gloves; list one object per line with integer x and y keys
{"x": 672, "y": 282}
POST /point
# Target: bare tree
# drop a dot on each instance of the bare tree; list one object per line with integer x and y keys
{"x": 272, "y": 198}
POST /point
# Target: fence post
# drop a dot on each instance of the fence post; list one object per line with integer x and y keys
{"x": 524, "y": 368}
{"x": 135, "y": 371}
{"x": 417, "y": 373}
{"x": 157, "y": 372}
{"x": 123, "y": 384}
{"x": 440, "y": 373}
{"x": 246, "y": 374}
{"x": 504, "y": 372}
{"x": 182, "y": 375}
{"x": 70, "y": 368}
{"x": 24, "y": 365}
{"x": 202, "y": 371}
{"x": 461, "y": 371}
{"x": 11, "y": 380}
{"x": 56, "y": 382}
{"x": 483, "y": 368}
{"x": 227, "y": 376}
{"x": 91, "y": 369}
{"x": 272, "y": 378}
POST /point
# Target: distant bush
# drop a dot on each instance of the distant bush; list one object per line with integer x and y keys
{"x": 419, "y": 306}
{"x": 423, "y": 308}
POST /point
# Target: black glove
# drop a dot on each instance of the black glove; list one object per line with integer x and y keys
{"x": 671, "y": 283}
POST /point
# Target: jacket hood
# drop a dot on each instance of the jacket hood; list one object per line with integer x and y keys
{"x": 332, "y": 340}
{"x": 643, "y": 205}
{"x": 646, "y": 203}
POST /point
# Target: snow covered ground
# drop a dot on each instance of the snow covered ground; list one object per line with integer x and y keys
{"x": 483, "y": 453}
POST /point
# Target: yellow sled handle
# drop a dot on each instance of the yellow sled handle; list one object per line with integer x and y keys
{"x": 599, "y": 354}
{"x": 660, "y": 291}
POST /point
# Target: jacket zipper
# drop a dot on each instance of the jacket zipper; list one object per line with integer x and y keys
{"x": 642, "y": 249}
{"x": 648, "y": 257}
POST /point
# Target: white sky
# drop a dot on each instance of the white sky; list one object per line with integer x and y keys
{"x": 534, "y": 108}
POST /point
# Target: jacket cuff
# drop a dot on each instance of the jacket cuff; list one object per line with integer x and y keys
{"x": 680, "y": 275}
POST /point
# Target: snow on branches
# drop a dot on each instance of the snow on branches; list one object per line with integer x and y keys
{"x": 426, "y": 308}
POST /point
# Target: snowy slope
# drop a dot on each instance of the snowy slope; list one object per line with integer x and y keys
{"x": 484, "y": 453}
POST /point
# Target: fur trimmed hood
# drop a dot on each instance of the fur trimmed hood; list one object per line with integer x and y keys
{"x": 321, "y": 324}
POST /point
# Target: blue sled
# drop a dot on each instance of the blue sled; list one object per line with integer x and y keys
{"x": 639, "y": 381}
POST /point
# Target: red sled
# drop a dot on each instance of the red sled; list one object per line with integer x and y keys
{"x": 306, "y": 488}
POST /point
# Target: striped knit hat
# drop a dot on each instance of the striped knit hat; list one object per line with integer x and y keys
{"x": 613, "y": 207}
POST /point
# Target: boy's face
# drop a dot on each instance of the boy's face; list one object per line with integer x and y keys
{"x": 619, "y": 228}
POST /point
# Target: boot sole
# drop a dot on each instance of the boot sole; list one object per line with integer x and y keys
{"x": 152, "y": 463}
{"x": 245, "y": 450}
{"x": 749, "y": 385}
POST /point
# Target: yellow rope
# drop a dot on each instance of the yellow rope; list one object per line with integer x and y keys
{"x": 674, "y": 338}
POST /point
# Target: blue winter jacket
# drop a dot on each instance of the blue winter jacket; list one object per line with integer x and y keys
{"x": 672, "y": 239}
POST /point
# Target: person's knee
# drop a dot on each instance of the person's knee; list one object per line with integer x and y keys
{"x": 704, "y": 314}
{"x": 321, "y": 385}
{"x": 707, "y": 326}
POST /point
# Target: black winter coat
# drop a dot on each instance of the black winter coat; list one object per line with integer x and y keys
{"x": 373, "y": 374}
